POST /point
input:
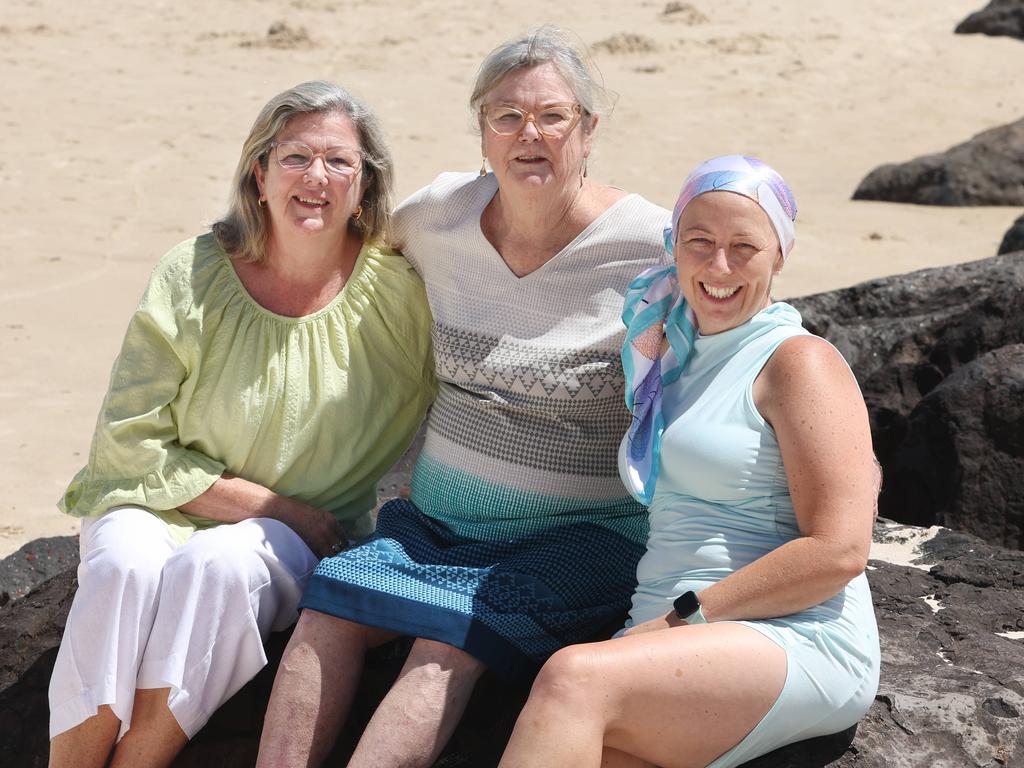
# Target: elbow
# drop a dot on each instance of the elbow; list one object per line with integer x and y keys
{"x": 852, "y": 565}
{"x": 847, "y": 560}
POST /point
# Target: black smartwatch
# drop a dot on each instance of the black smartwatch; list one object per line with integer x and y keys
{"x": 687, "y": 608}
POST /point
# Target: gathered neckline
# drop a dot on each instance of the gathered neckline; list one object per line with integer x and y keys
{"x": 358, "y": 270}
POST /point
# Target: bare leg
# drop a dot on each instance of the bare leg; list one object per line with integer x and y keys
{"x": 87, "y": 745}
{"x": 420, "y": 712}
{"x": 677, "y": 697}
{"x": 313, "y": 690}
{"x": 154, "y": 738}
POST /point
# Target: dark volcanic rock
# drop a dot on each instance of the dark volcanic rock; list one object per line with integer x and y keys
{"x": 30, "y": 630}
{"x": 1013, "y": 240}
{"x": 961, "y": 463}
{"x": 987, "y": 170}
{"x": 903, "y": 335}
{"x": 952, "y": 688}
{"x": 951, "y": 694}
{"x": 34, "y": 563}
{"x": 998, "y": 18}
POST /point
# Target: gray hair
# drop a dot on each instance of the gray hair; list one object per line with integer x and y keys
{"x": 243, "y": 230}
{"x": 544, "y": 45}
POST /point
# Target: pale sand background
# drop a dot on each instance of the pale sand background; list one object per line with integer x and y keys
{"x": 121, "y": 123}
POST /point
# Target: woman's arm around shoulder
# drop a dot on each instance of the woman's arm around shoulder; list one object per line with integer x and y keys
{"x": 425, "y": 208}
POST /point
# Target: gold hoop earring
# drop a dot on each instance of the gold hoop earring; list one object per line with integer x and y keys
{"x": 483, "y": 166}
{"x": 262, "y": 202}
{"x": 357, "y": 213}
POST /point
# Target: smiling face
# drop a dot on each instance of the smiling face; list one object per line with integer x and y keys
{"x": 311, "y": 202}
{"x": 527, "y": 159}
{"x": 726, "y": 255}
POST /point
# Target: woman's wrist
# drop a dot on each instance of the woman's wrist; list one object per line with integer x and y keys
{"x": 688, "y": 608}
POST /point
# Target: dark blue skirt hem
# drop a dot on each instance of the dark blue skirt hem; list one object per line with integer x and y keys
{"x": 412, "y": 618}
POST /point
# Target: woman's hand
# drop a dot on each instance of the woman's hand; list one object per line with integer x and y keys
{"x": 232, "y": 499}
{"x": 320, "y": 530}
{"x": 662, "y": 622}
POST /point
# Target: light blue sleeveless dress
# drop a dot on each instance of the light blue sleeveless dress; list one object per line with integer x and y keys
{"x": 722, "y": 501}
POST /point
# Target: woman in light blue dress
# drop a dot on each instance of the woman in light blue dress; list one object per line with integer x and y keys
{"x": 752, "y": 625}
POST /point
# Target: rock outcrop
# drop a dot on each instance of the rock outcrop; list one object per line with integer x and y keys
{"x": 998, "y": 18}
{"x": 961, "y": 463}
{"x": 30, "y": 631}
{"x": 986, "y": 170}
{"x": 905, "y": 335}
{"x": 1013, "y": 240}
{"x": 951, "y": 692}
{"x": 34, "y": 563}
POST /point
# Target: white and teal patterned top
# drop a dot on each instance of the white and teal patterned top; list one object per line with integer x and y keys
{"x": 524, "y": 433}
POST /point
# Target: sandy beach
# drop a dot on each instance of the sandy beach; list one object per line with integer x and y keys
{"x": 122, "y": 123}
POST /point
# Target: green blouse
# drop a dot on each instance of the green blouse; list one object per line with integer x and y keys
{"x": 316, "y": 407}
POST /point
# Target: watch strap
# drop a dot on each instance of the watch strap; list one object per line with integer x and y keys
{"x": 697, "y": 617}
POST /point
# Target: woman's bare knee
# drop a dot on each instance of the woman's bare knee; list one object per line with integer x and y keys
{"x": 570, "y": 678}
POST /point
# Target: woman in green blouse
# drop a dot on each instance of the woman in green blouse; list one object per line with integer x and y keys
{"x": 274, "y": 370}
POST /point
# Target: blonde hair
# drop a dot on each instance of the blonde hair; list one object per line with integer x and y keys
{"x": 243, "y": 230}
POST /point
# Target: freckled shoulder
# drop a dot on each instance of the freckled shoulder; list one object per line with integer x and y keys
{"x": 804, "y": 369}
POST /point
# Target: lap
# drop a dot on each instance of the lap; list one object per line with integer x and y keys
{"x": 128, "y": 529}
{"x": 259, "y": 541}
{"x": 125, "y": 545}
{"x": 129, "y": 545}
{"x": 133, "y": 533}
{"x": 509, "y": 603}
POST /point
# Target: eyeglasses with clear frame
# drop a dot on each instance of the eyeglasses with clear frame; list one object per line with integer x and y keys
{"x": 553, "y": 122}
{"x": 339, "y": 161}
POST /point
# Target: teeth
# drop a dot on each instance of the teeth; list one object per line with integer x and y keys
{"x": 309, "y": 201}
{"x": 719, "y": 293}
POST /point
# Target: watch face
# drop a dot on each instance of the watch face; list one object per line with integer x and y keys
{"x": 686, "y": 605}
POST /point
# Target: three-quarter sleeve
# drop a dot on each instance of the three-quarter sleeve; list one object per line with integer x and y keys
{"x": 136, "y": 457}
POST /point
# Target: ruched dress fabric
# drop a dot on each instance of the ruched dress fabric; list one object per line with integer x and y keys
{"x": 315, "y": 407}
{"x": 722, "y": 501}
{"x": 519, "y": 537}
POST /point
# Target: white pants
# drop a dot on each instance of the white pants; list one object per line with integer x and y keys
{"x": 191, "y": 618}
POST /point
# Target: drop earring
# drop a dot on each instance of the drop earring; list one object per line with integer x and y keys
{"x": 483, "y": 166}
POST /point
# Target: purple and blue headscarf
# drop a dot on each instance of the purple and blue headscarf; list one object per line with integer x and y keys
{"x": 660, "y": 326}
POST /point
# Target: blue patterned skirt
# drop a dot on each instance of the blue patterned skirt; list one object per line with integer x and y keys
{"x": 510, "y": 604}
